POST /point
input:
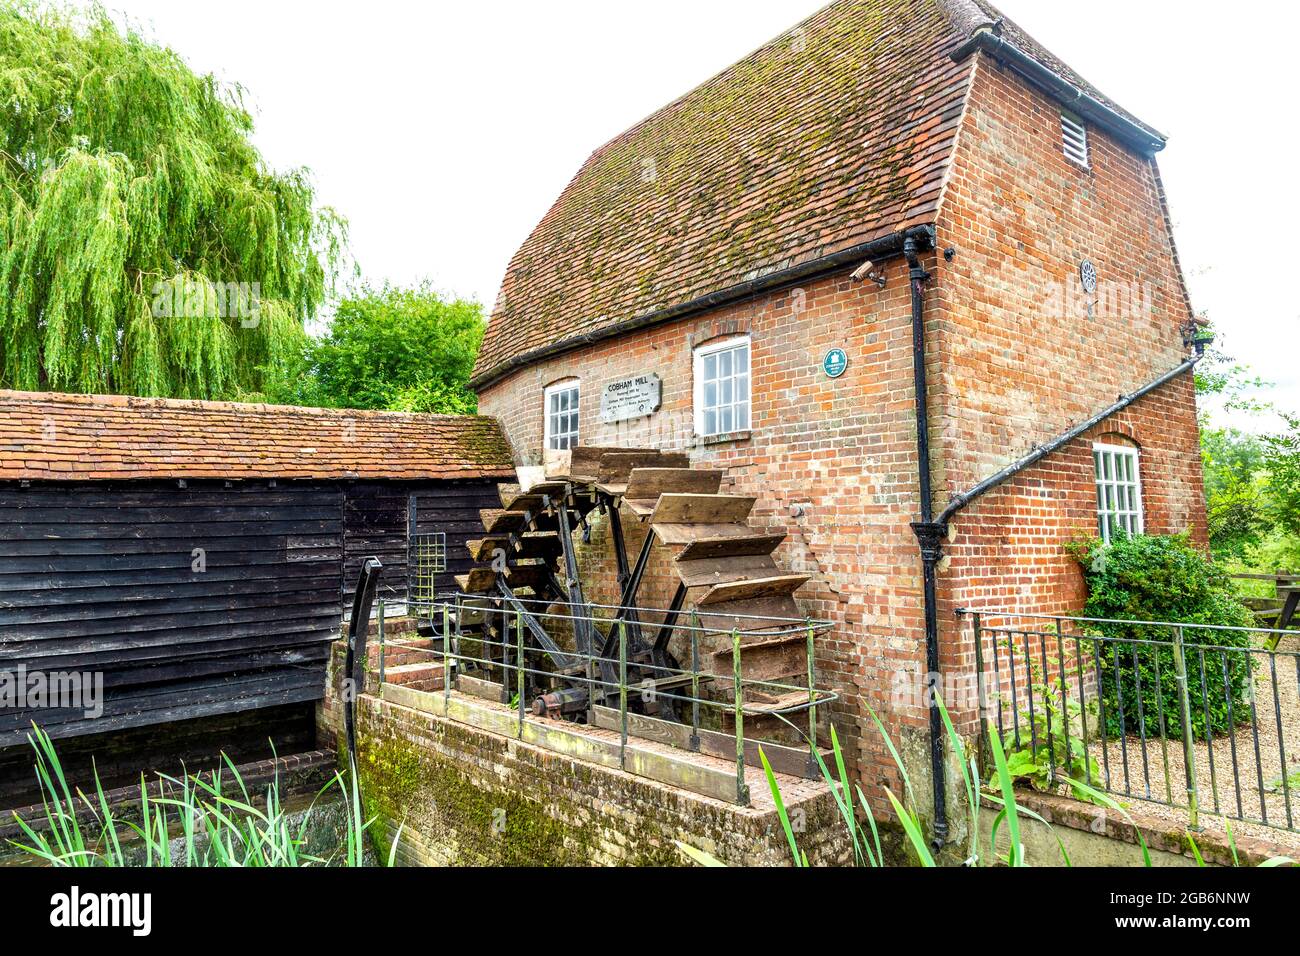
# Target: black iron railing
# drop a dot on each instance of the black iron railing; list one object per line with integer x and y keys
{"x": 705, "y": 701}
{"x": 1201, "y": 719}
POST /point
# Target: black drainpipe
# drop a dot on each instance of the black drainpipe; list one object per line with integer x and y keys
{"x": 930, "y": 531}
{"x": 929, "y": 534}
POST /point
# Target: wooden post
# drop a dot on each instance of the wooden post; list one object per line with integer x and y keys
{"x": 381, "y": 641}
{"x": 742, "y": 791}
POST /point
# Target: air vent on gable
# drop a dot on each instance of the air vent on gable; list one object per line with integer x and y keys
{"x": 1075, "y": 137}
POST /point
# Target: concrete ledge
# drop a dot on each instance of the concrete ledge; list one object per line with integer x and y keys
{"x": 1081, "y": 825}
{"x": 700, "y": 774}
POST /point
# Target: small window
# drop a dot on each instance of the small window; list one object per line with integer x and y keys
{"x": 1075, "y": 137}
{"x": 722, "y": 398}
{"x": 1119, "y": 491}
{"x": 562, "y": 416}
{"x": 426, "y": 559}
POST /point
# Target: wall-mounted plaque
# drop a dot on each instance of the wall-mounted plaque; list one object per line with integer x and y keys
{"x": 630, "y": 398}
{"x": 836, "y": 363}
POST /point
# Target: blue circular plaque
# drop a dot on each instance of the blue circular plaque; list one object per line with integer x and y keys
{"x": 836, "y": 363}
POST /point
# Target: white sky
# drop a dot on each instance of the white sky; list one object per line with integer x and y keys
{"x": 444, "y": 131}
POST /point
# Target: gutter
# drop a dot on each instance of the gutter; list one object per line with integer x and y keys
{"x": 988, "y": 484}
{"x": 882, "y": 248}
{"x": 930, "y": 531}
{"x": 1136, "y": 135}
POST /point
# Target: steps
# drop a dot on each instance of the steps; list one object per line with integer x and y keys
{"x": 397, "y": 653}
{"x": 425, "y": 677}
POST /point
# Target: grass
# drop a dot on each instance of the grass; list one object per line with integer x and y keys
{"x": 194, "y": 820}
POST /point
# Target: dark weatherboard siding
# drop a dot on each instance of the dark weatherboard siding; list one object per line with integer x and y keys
{"x": 377, "y": 523}
{"x": 457, "y": 516}
{"x": 100, "y": 577}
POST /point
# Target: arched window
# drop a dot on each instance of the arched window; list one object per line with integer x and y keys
{"x": 561, "y": 428}
{"x": 722, "y": 387}
{"x": 1119, "y": 490}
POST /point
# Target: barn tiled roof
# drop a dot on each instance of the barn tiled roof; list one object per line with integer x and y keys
{"x": 835, "y": 134}
{"x": 85, "y": 437}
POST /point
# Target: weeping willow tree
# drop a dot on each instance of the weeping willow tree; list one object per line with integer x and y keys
{"x": 148, "y": 248}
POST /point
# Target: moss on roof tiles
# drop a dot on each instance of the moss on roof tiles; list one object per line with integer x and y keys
{"x": 835, "y": 132}
{"x": 802, "y": 146}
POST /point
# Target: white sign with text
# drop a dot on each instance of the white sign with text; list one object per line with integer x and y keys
{"x": 630, "y": 398}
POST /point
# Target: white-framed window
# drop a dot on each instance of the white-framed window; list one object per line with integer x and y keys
{"x": 562, "y": 415}
{"x": 1119, "y": 491}
{"x": 722, "y": 387}
{"x": 1074, "y": 136}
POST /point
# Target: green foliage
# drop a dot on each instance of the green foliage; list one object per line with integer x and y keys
{"x": 1235, "y": 493}
{"x": 1252, "y": 490}
{"x": 406, "y": 350}
{"x": 1156, "y": 578}
{"x": 1277, "y": 552}
{"x": 209, "y": 820}
{"x": 1252, "y": 483}
{"x": 1291, "y": 783}
{"x": 132, "y": 203}
{"x": 868, "y": 851}
{"x": 999, "y": 794}
{"x": 1047, "y": 744}
{"x": 1282, "y": 459}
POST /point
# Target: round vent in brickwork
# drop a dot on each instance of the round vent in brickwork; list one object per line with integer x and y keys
{"x": 1088, "y": 273}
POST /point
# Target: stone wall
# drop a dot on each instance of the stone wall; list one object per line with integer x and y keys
{"x": 467, "y": 797}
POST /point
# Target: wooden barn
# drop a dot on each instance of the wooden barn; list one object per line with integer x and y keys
{"x": 200, "y": 557}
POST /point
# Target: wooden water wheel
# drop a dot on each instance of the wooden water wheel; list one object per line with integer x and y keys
{"x": 528, "y": 571}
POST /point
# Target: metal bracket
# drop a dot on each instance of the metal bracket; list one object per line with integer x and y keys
{"x": 931, "y": 536}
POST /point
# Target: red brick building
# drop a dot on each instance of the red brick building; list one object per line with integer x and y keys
{"x": 1024, "y": 303}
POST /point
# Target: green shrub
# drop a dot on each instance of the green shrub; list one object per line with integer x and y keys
{"x": 1047, "y": 743}
{"x": 1162, "y": 578}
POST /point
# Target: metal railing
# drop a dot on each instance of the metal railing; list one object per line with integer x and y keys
{"x": 540, "y": 679}
{"x": 426, "y": 560}
{"x": 1187, "y": 716}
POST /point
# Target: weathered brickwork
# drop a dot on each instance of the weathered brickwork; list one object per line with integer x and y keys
{"x": 831, "y": 462}
{"x": 1021, "y": 357}
{"x": 1015, "y": 359}
{"x": 1017, "y": 369}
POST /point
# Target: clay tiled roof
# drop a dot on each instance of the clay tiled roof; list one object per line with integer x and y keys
{"x": 832, "y": 135}
{"x": 83, "y": 437}
{"x": 835, "y": 134}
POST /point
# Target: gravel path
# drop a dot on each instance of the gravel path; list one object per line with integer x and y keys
{"x": 1252, "y": 795}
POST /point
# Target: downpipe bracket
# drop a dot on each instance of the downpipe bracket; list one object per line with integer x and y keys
{"x": 930, "y": 535}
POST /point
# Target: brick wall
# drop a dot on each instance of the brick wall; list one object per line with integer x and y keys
{"x": 831, "y": 462}
{"x": 1016, "y": 357}
{"x": 1023, "y": 358}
